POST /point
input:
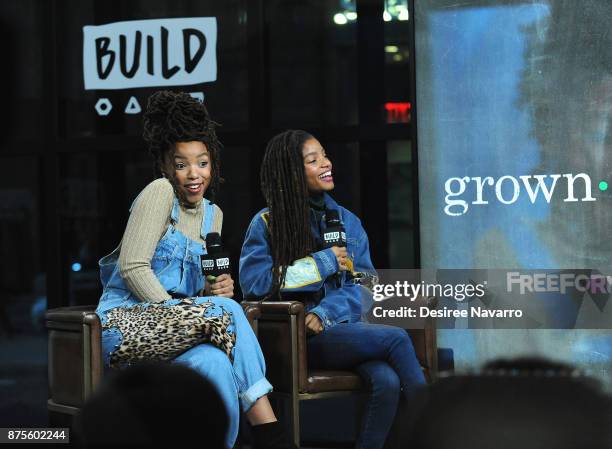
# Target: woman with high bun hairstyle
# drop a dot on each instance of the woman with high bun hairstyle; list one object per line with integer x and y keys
{"x": 156, "y": 304}
{"x": 282, "y": 258}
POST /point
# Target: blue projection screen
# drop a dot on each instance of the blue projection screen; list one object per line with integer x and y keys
{"x": 514, "y": 109}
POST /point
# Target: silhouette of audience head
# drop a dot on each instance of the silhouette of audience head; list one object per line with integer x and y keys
{"x": 512, "y": 404}
{"x": 152, "y": 404}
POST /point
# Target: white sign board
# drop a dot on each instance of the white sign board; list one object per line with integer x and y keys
{"x": 150, "y": 53}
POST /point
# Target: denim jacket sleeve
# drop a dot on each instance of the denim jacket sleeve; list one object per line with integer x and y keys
{"x": 345, "y": 303}
{"x": 255, "y": 271}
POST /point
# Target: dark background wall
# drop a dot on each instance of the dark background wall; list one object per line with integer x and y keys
{"x": 69, "y": 174}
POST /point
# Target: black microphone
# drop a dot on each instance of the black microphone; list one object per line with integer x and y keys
{"x": 216, "y": 262}
{"x": 334, "y": 235}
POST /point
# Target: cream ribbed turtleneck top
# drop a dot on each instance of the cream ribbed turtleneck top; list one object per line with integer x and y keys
{"x": 147, "y": 224}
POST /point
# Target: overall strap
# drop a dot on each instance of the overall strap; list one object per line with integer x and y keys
{"x": 174, "y": 216}
{"x": 208, "y": 216}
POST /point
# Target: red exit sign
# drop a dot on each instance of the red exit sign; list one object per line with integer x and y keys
{"x": 398, "y": 112}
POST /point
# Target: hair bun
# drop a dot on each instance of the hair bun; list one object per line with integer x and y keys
{"x": 173, "y": 117}
{"x": 169, "y": 110}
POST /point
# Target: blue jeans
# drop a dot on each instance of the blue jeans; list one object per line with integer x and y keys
{"x": 240, "y": 384}
{"x": 384, "y": 357}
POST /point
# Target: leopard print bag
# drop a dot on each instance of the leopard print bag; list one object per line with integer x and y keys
{"x": 159, "y": 332}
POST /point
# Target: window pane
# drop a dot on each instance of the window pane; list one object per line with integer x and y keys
{"x": 21, "y": 77}
{"x": 97, "y": 190}
{"x": 397, "y": 61}
{"x": 23, "y": 301}
{"x": 313, "y": 63}
{"x": 401, "y": 205}
{"x": 226, "y": 97}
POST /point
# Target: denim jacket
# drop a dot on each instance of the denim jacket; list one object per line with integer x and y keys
{"x": 313, "y": 273}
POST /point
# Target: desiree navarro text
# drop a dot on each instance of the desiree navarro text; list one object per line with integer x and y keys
{"x": 426, "y": 312}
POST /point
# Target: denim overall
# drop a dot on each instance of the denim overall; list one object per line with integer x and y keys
{"x": 176, "y": 263}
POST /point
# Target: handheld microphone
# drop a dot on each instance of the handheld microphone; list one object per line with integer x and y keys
{"x": 334, "y": 235}
{"x": 216, "y": 262}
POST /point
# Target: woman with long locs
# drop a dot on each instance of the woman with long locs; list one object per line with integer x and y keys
{"x": 281, "y": 259}
{"x": 155, "y": 296}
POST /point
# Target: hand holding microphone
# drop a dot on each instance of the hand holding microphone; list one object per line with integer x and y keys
{"x": 223, "y": 286}
{"x": 216, "y": 267}
{"x": 341, "y": 257}
{"x": 334, "y": 237}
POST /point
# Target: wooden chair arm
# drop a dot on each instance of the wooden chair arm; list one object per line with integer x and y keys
{"x": 253, "y": 313}
{"x": 282, "y": 336}
{"x": 277, "y": 307}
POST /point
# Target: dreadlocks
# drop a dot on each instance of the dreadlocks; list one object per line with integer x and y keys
{"x": 173, "y": 117}
{"x": 284, "y": 188}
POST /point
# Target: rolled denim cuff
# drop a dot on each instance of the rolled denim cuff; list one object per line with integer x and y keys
{"x": 325, "y": 320}
{"x": 255, "y": 391}
{"x": 326, "y": 262}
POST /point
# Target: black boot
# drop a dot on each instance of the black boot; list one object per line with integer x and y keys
{"x": 270, "y": 436}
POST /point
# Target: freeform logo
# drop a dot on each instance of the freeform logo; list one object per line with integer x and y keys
{"x": 558, "y": 282}
{"x": 487, "y": 189}
{"x": 208, "y": 264}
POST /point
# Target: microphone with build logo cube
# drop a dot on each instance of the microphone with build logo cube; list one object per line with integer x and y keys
{"x": 334, "y": 235}
{"x": 216, "y": 262}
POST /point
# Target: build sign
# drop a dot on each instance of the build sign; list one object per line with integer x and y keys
{"x": 150, "y": 53}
